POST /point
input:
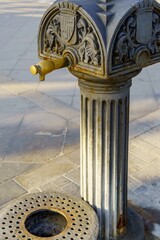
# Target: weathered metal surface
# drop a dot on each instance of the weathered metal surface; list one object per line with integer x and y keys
{"x": 108, "y": 43}
{"x": 136, "y": 41}
{"x": 20, "y": 220}
{"x": 45, "y": 67}
{"x": 104, "y": 158}
{"x": 135, "y": 227}
{"x": 66, "y": 29}
{"x": 107, "y": 39}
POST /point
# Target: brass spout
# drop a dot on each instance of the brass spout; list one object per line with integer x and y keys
{"x": 47, "y": 66}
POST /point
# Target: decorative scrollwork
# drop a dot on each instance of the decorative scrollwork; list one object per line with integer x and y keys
{"x": 89, "y": 48}
{"x": 53, "y": 41}
{"x": 126, "y": 45}
{"x": 154, "y": 44}
{"x": 131, "y": 37}
{"x": 69, "y": 28}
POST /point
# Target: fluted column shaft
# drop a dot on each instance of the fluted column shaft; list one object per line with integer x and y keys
{"x": 104, "y": 153}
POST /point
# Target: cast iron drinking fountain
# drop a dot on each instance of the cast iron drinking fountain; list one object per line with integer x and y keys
{"x": 104, "y": 43}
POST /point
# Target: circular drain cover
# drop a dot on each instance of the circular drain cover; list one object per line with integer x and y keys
{"x": 47, "y": 216}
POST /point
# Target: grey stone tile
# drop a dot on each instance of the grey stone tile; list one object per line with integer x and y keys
{"x": 153, "y": 72}
{"x": 25, "y": 35}
{"x": 4, "y": 77}
{"x": 153, "y": 67}
{"x": 146, "y": 147}
{"x": 43, "y": 123}
{"x": 11, "y": 54}
{"x": 39, "y": 138}
{"x": 147, "y": 195}
{"x": 143, "y": 76}
{"x": 24, "y": 64}
{"x": 51, "y": 105}
{"x": 152, "y": 137}
{"x": 61, "y": 181}
{"x": 65, "y": 99}
{"x": 72, "y": 189}
{"x": 133, "y": 184}
{"x": 30, "y": 55}
{"x": 74, "y": 176}
{"x": 76, "y": 102}
{"x": 13, "y": 109}
{"x": 142, "y": 95}
{"x": 74, "y": 155}
{"x": 137, "y": 127}
{"x": 61, "y": 75}
{"x": 45, "y": 174}
{"x": 7, "y": 64}
{"x": 10, "y": 170}
{"x": 32, "y": 147}
{"x": 58, "y": 89}
{"x": 10, "y": 103}
{"x": 72, "y": 138}
{"x": 23, "y": 76}
{"x": 75, "y": 121}
{"x": 13, "y": 45}
{"x": 5, "y": 72}
{"x": 20, "y": 87}
{"x": 142, "y": 102}
{"x": 144, "y": 124}
{"x": 9, "y": 122}
{"x": 9, "y": 191}
{"x": 5, "y": 140}
{"x": 142, "y": 175}
{"x": 50, "y": 187}
{"x": 55, "y": 185}
{"x": 152, "y": 119}
{"x": 132, "y": 168}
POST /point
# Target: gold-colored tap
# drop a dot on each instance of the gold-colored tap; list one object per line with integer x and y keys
{"x": 47, "y": 66}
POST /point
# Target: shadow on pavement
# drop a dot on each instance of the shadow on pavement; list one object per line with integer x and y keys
{"x": 151, "y": 218}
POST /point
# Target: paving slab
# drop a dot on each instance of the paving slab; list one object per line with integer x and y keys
{"x": 153, "y": 138}
{"x": 144, "y": 124}
{"x": 10, "y": 190}
{"x": 153, "y": 73}
{"x": 142, "y": 104}
{"x": 55, "y": 185}
{"x": 45, "y": 174}
{"x": 51, "y": 105}
{"x": 19, "y": 87}
{"x": 74, "y": 176}
{"x": 39, "y": 138}
{"x": 72, "y": 188}
{"x": 11, "y": 170}
{"x": 34, "y": 148}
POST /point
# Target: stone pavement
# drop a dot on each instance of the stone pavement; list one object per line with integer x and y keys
{"x": 39, "y": 121}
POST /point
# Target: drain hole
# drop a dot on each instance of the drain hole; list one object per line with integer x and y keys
{"x": 45, "y": 223}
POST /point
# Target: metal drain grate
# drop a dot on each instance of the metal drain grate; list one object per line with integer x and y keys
{"x": 81, "y": 219}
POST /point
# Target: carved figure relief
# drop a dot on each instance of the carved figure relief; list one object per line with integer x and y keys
{"x": 69, "y": 28}
{"x": 140, "y": 33}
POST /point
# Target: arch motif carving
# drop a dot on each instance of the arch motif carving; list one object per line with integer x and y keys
{"x": 137, "y": 42}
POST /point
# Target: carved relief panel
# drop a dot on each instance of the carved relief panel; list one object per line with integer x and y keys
{"x": 67, "y": 28}
{"x": 136, "y": 43}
